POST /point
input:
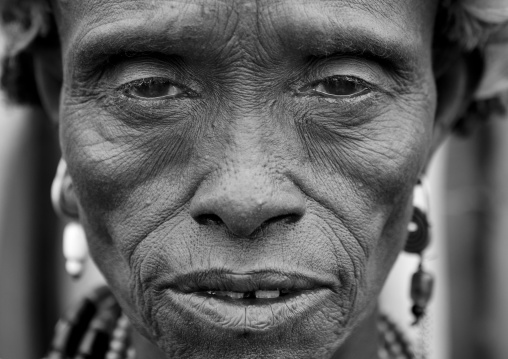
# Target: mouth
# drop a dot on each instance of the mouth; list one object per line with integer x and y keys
{"x": 255, "y": 294}
{"x": 250, "y": 301}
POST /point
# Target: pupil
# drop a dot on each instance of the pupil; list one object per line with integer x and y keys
{"x": 152, "y": 89}
{"x": 341, "y": 87}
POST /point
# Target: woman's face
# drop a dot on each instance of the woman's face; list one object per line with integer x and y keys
{"x": 252, "y": 149}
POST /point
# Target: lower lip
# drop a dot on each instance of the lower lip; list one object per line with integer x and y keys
{"x": 249, "y": 315}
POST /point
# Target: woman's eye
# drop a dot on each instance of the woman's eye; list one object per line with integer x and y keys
{"x": 339, "y": 87}
{"x": 152, "y": 88}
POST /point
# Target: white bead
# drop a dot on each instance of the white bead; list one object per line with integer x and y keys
{"x": 74, "y": 242}
{"x": 412, "y": 227}
{"x": 131, "y": 353}
{"x": 74, "y": 268}
{"x": 420, "y": 199}
{"x": 113, "y": 355}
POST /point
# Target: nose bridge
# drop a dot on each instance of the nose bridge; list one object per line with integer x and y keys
{"x": 246, "y": 192}
{"x": 252, "y": 135}
{"x": 253, "y": 139}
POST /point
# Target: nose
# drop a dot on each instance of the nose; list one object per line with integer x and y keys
{"x": 246, "y": 203}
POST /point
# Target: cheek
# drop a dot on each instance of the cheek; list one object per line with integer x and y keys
{"x": 364, "y": 176}
{"x": 377, "y": 159}
{"x": 366, "y": 173}
{"x": 113, "y": 163}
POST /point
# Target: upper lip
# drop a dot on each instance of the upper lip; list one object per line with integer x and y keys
{"x": 245, "y": 281}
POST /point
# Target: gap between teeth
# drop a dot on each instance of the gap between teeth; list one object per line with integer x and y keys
{"x": 266, "y": 294}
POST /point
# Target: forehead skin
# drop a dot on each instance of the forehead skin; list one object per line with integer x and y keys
{"x": 187, "y": 26}
{"x": 249, "y": 138}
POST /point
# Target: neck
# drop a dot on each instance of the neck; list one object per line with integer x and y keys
{"x": 361, "y": 344}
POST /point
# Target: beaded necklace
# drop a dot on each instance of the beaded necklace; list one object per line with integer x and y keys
{"x": 97, "y": 328}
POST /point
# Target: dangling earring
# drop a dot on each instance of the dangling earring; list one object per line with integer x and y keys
{"x": 418, "y": 239}
{"x": 75, "y": 248}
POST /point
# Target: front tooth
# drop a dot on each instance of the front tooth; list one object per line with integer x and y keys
{"x": 267, "y": 293}
{"x": 235, "y": 295}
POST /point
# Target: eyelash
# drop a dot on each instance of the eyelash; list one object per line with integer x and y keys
{"x": 125, "y": 88}
{"x": 309, "y": 90}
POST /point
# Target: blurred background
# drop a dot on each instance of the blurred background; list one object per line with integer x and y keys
{"x": 468, "y": 179}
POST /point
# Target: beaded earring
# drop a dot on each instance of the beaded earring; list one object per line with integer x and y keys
{"x": 75, "y": 248}
{"x": 418, "y": 239}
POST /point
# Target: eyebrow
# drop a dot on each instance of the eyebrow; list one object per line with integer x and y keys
{"x": 120, "y": 38}
{"x": 390, "y": 53}
{"x": 125, "y": 38}
{"x": 369, "y": 31}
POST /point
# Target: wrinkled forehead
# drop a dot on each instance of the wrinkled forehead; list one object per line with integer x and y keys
{"x": 403, "y": 26}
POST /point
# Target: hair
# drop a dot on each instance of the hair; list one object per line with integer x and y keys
{"x": 29, "y": 25}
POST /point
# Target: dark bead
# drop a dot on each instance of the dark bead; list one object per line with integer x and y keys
{"x": 418, "y": 313}
{"x": 422, "y": 284}
{"x": 70, "y": 332}
{"x": 418, "y": 239}
{"x": 417, "y": 310}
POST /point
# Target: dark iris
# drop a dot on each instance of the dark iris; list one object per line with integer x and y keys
{"x": 152, "y": 88}
{"x": 339, "y": 86}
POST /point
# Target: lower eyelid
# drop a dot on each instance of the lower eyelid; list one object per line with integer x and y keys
{"x": 312, "y": 86}
{"x": 357, "y": 94}
{"x": 184, "y": 92}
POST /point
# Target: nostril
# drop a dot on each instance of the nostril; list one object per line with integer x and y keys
{"x": 284, "y": 219}
{"x": 208, "y": 218}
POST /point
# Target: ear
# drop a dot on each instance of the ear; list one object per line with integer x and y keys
{"x": 63, "y": 196}
{"x": 455, "y": 85}
{"x": 49, "y": 79}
